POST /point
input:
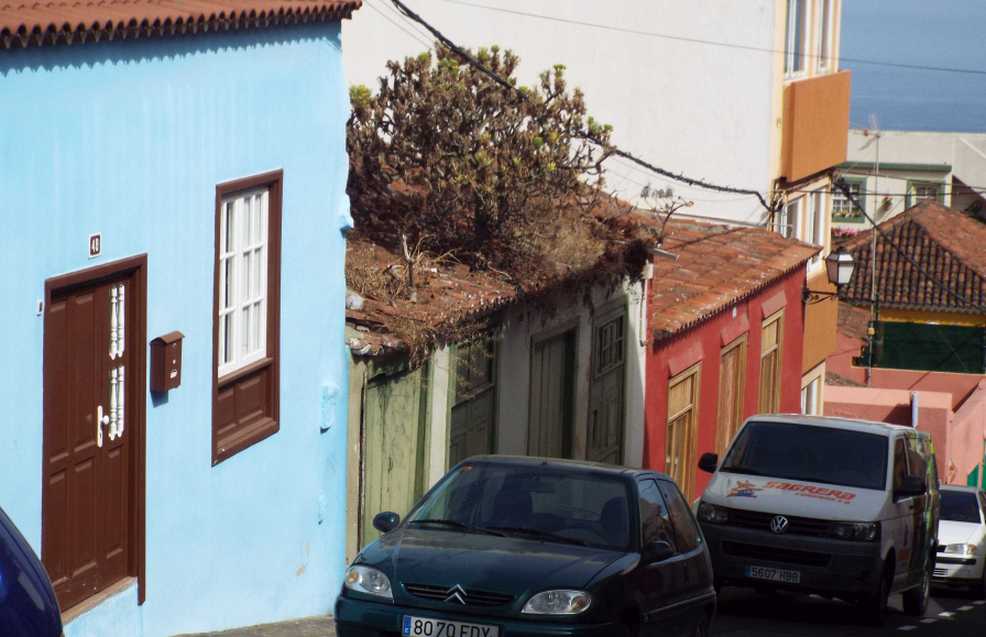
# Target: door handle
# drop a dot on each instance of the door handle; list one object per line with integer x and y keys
{"x": 101, "y": 419}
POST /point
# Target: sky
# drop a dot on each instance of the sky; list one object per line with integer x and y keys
{"x": 949, "y": 33}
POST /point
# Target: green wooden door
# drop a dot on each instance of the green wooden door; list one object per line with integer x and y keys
{"x": 605, "y": 433}
{"x": 393, "y": 447}
{"x": 473, "y": 412}
{"x": 552, "y": 380}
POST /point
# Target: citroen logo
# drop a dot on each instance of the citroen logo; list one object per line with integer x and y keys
{"x": 456, "y": 594}
{"x": 778, "y": 524}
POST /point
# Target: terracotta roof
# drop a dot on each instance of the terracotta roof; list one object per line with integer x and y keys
{"x": 717, "y": 267}
{"x": 945, "y": 242}
{"x": 40, "y": 23}
{"x": 451, "y": 299}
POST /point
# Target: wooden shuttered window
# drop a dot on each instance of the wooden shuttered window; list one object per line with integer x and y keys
{"x": 732, "y": 377}
{"x": 679, "y": 459}
{"x": 770, "y": 363}
{"x": 246, "y": 330}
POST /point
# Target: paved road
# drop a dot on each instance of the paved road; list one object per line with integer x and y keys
{"x": 744, "y": 613}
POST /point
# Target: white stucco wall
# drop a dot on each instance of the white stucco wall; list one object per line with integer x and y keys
{"x": 523, "y": 325}
{"x": 690, "y": 107}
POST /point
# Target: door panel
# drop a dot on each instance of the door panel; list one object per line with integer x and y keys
{"x": 606, "y": 393}
{"x": 472, "y": 428}
{"x": 552, "y": 377}
{"x": 392, "y": 447}
{"x": 730, "y": 396}
{"x": 89, "y": 469}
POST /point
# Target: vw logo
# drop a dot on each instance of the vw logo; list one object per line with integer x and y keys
{"x": 778, "y": 524}
{"x": 456, "y": 594}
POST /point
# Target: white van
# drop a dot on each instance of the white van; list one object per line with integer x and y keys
{"x": 844, "y": 508}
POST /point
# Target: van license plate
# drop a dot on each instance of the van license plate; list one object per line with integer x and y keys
{"x": 782, "y": 575}
{"x": 428, "y": 627}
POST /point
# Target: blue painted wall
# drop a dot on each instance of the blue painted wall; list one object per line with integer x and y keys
{"x": 130, "y": 139}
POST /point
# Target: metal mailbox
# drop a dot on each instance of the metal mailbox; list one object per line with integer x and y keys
{"x": 166, "y": 361}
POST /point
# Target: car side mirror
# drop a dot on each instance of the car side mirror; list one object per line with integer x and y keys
{"x": 911, "y": 486}
{"x": 709, "y": 462}
{"x": 386, "y": 522}
{"x": 658, "y": 551}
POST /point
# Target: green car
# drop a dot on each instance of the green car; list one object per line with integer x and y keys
{"x": 511, "y": 547}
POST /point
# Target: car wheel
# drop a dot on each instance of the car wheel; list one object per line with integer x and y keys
{"x": 916, "y": 599}
{"x": 874, "y": 606}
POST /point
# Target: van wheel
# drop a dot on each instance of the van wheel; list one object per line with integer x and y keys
{"x": 981, "y": 589}
{"x": 874, "y": 606}
{"x": 916, "y": 599}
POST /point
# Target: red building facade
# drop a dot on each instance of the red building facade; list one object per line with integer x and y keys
{"x": 727, "y": 323}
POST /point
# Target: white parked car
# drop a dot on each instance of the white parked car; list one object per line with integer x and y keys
{"x": 962, "y": 539}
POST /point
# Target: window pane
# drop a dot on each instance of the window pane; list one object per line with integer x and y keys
{"x": 229, "y": 280}
{"x": 258, "y": 324}
{"x": 825, "y": 33}
{"x": 686, "y": 532}
{"x": 258, "y": 258}
{"x": 245, "y": 340}
{"x": 230, "y": 226}
{"x": 680, "y": 395}
{"x": 655, "y": 524}
{"x": 228, "y": 338}
{"x": 769, "y": 340}
{"x": 247, "y": 275}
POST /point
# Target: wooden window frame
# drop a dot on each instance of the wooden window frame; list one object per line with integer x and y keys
{"x": 245, "y": 436}
{"x": 688, "y": 461}
{"x": 722, "y": 440}
{"x": 778, "y": 317}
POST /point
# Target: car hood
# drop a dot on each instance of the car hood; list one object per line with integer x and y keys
{"x": 794, "y": 497}
{"x": 951, "y": 532}
{"x": 435, "y": 557}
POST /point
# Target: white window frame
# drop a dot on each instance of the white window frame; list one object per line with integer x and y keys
{"x": 815, "y": 224}
{"x": 825, "y": 35}
{"x": 841, "y": 203}
{"x": 790, "y": 38}
{"x": 787, "y": 226}
{"x": 244, "y": 254}
{"x": 810, "y": 394}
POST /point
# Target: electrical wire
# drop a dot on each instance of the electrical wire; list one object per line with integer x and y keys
{"x": 613, "y": 150}
{"x": 413, "y": 35}
{"x": 728, "y": 45}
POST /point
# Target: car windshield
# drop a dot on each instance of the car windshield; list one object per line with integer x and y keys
{"x": 960, "y": 506}
{"x": 541, "y": 503}
{"x": 810, "y": 453}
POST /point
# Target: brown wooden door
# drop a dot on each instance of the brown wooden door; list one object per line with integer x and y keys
{"x": 89, "y": 467}
{"x": 730, "y": 394}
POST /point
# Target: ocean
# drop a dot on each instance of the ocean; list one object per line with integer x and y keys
{"x": 944, "y": 33}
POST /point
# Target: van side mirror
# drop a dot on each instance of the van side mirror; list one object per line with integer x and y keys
{"x": 708, "y": 462}
{"x": 386, "y": 522}
{"x": 912, "y": 486}
{"x": 657, "y": 551}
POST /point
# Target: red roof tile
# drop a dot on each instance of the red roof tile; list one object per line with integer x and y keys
{"x": 717, "y": 267}
{"x": 946, "y": 243}
{"x": 39, "y": 23}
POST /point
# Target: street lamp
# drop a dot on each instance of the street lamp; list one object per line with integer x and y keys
{"x": 839, "y": 267}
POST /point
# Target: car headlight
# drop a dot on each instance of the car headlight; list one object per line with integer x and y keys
{"x": 857, "y": 531}
{"x": 712, "y": 514}
{"x": 968, "y": 550}
{"x": 369, "y": 581}
{"x": 558, "y": 603}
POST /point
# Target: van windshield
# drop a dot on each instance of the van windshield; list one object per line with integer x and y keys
{"x": 811, "y": 454}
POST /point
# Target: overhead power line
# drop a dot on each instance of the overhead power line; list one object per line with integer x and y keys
{"x": 727, "y": 45}
{"x": 613, "y": 150}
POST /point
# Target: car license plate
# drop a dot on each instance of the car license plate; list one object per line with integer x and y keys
{"x": 773, "y": 574}
{"x": 429, "y": 627}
